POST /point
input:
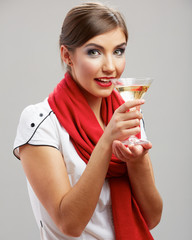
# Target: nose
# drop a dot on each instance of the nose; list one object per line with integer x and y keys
{"x": 108, "y": 65}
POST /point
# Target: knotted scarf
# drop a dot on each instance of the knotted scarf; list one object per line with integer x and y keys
{"x": 76, "y": 116}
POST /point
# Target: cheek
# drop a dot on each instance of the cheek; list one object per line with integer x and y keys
{"x": 89, "y": 67}
{"x": 121, "y": 66}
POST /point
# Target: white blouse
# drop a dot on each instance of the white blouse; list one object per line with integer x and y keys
{"x": 39, "y": 126}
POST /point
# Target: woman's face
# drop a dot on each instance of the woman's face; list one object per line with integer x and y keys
{"x": 99, "y": 60}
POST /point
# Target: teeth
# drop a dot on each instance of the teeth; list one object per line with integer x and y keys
{"x": 104, "y": 80}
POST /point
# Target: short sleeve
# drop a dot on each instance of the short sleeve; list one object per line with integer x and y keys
{"x": 36, "y": 127}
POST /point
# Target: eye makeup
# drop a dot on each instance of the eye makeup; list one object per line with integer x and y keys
{"x": 95, "y": 50}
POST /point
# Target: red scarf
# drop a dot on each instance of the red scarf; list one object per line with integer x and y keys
{"x": 78, "y": 119}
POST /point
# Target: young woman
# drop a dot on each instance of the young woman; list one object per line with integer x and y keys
{"x": 83, "y": 182}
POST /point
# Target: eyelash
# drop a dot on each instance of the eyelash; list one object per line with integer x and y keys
{"x": 120, "y": 51}
{"x": 92, "y": 52}
{"x": 95, "y": 52}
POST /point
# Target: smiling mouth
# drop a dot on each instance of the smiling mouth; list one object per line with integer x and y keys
{"x": 104, "y": 80}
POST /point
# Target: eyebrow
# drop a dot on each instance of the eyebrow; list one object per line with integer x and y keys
{"x": 124, "y": 44}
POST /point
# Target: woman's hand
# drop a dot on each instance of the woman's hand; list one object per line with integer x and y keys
{"x": 122, "y": 125}
{"x": 142, "y": 180}
{"x": 124, "y": 122}
{"x": 132, "y": 153}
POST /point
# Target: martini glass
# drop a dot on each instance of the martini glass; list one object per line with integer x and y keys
{"x": 130, "y": 89}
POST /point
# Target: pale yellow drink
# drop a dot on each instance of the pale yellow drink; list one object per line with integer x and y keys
{"x": 132, "y": 92}
{"x": 130, "y": 89}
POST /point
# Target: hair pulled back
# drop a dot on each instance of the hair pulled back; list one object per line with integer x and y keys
{"x": 88, "y": 20}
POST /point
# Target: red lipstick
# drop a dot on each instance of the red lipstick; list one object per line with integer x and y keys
{"x": 104, "y": 81}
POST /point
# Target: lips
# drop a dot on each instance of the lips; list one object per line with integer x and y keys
{"x": 104, "y": 81}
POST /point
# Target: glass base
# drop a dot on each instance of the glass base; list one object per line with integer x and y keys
{"x": 134, "y": 141}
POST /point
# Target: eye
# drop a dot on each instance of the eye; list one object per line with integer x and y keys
{"x": 93, "y": 52}
{"x": 119, "y": 51}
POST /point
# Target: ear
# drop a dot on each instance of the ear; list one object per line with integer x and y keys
{"x": 65, "y": 55}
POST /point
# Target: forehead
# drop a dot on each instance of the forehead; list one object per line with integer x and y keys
{"x": 113, "y": 37}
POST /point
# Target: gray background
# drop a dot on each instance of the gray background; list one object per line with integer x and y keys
{"x": 159, "y": 46}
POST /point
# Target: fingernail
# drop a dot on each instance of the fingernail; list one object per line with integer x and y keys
{"x": 142, "y": 100}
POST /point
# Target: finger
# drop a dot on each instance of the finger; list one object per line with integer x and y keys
{"x": 116, "y": 150}
{"x": 131, "y": 115}
{"x": 130, "y": 124}
{"x": 120, "y": 150}
{"x": 136, "y": 150}
{"x": 130, "y": 104}
{"x": 147, "y": 146}
{"x": 130, "y": 132}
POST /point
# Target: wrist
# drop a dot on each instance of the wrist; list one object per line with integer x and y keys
{"x": 140, "y": 163}
{"x": 106, "y": 139}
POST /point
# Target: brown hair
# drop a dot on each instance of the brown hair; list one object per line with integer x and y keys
{"x": 88, "y": 20}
